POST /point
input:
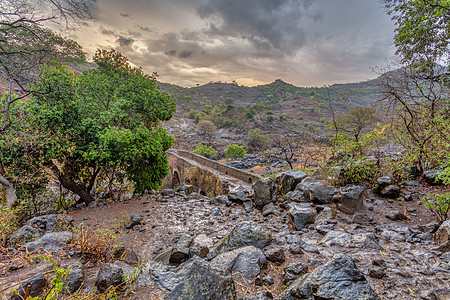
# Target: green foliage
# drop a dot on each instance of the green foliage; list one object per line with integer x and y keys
{"x": 257, "y": 139}
{"x": 235, "y": 151}
{"x": 105, "y": 118}
{"x": 438, "y": 204}
{"x": 422, "y": 35}
{"x": 358, "y": 171}
{"x": 8, "y": 224}
{"x": 204, "y": 150}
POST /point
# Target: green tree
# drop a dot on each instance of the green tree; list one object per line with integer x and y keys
{"x": 204, "y": 150}
{"x": 105, "y": 118}
{"x": 208, "y": 128}
{"x": 358, "y": 121}
{"x": 235, "y": 151}
{"x": 422, "y": 35}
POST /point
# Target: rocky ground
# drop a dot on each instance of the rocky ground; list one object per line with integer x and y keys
{"x": 291, "y": 248}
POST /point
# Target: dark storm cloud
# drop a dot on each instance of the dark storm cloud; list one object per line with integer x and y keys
{"x": 171, "y": 52}
{"x": 124, "y": 42}
{"x": 105, "y": 31}
{"x": 185, "y": 54}
{"x": 125, "y": 15}
{"x": 267, "y": 24}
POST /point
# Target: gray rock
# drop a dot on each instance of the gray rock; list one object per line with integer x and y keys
{"x": 165, "y": 277}
{"x": 269, "y": 209}
{"x": 336, "y": 238}
{"x": 247, "y": 234}
{"x": 221, "y": 200}
{"x": 201, "y": 283}
{"x": 268, "y": 280}
{"x": 168, "y": 192}
{"x": 51, "y": 223}
{"x": 287, "y": 181}
{"x": 33, "y": 287}
{"x": 248, "y": 205}
{"x": 378, "y": 273}
{"x": 201, "y": 246}
{"x": 365, "y": 241}
{"x": 391, "y": 191}
{"x": 395, "y": 215}
{"x": 186, "y": 188}
{"x": 324, "y": 229}
{"x": 51, "y": 241}
{"x": 361, "y": 218}
{"x": 351, "y": 199}
{"x": 390, "y": 235}
{"x": 339, "y": 278}
{"x": 293, "y": 271}
{"x": 430, "y": 177}
{"x": 216, "y": 212}
{"x": 108, "y": 275}
{"x": 239, "y": 194}
{"x": 24, "y": 235}
{"x": 299, "y": 194}
{"x": 383, "y": 182}
{"x": 261, "y": 295}
{"x": 265, "y": 191}
{"x": 180, "y": 252}
{"x": 429, "y": 228}
{"x": 321, "y": 193}
{"x": 134, "y": 220}
{"x": 74, "y": 279}
{"x": 275, "y": 254}
{"x": 411, "y": 183}
{"x": 247, "y": 261}
{"x": 301, "y": 214}
{"x": 442, "y": 237}
{"x": 326, "y": 215}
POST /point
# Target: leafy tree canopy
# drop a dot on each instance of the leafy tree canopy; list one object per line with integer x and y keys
{"x": 105, "y": 118}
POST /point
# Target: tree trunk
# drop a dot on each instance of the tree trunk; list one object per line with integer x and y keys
{"x": 9, "y": 192}
{"x": 67, "y": 181}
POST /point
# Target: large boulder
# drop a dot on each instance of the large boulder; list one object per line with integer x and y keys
{"x": 51, "y": 223}
{"x": 287, "y": 181}
{"x": 108, "y": 275}
{"x": 239, "y": 194}
{"x": 201, "y": 246}
{"x": 339, "y": 278}
{"x": 301, "y": 214}
{"x": 265, "y": 191}
{"x": 74, "y": 279}
{"x": 321, "y": 193}
{"x": 247, "y": 234}
{"x": 442, "y": 236}
{"x": 201, "y": 283}
{"x": 430, "y": 177}
{"x": 24, "y": 235}
{"x": 247, "y": 261}
{"x": 383, "y": 182}
{"x": 33, "y": 287}
{"x": 180, "y": 251}
{"x": 300, "y": 193}
{"x": 352, "y": 197}
{"x": 391, "y": 191}
{"x": 51, "y": 241}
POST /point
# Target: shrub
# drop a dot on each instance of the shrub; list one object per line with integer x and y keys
{"x": 235, "y": 151}
{"x": 8, "y": 224}
{"x": 358, "y": 171}
{"x": 204, "y": 150}
{"x": 438, "y": 204}
{"x": 257, "y": 139}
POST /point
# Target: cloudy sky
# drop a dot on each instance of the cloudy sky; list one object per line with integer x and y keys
{"x": 189, "y": 42}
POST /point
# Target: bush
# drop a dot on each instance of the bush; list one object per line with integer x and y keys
{"x": 8, "y": 224}
{"x": 438, "y": 204}
{"x": 257, "y": 139}
{"x": 358, "y": 171}
{"x": 204, "y": 150}
{"x": 235, "y": 151}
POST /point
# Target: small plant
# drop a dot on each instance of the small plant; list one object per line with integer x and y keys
{"x": 94, "y": 245}
{"x": 204, "y": 150}
{"x": 8, "y": 224}
{"x": 438, "y": 204}
{"x": 235, "y": 151}
{"x": 359, "y": 171}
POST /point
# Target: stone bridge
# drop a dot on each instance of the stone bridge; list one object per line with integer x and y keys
{"x": 209, "y": 177}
